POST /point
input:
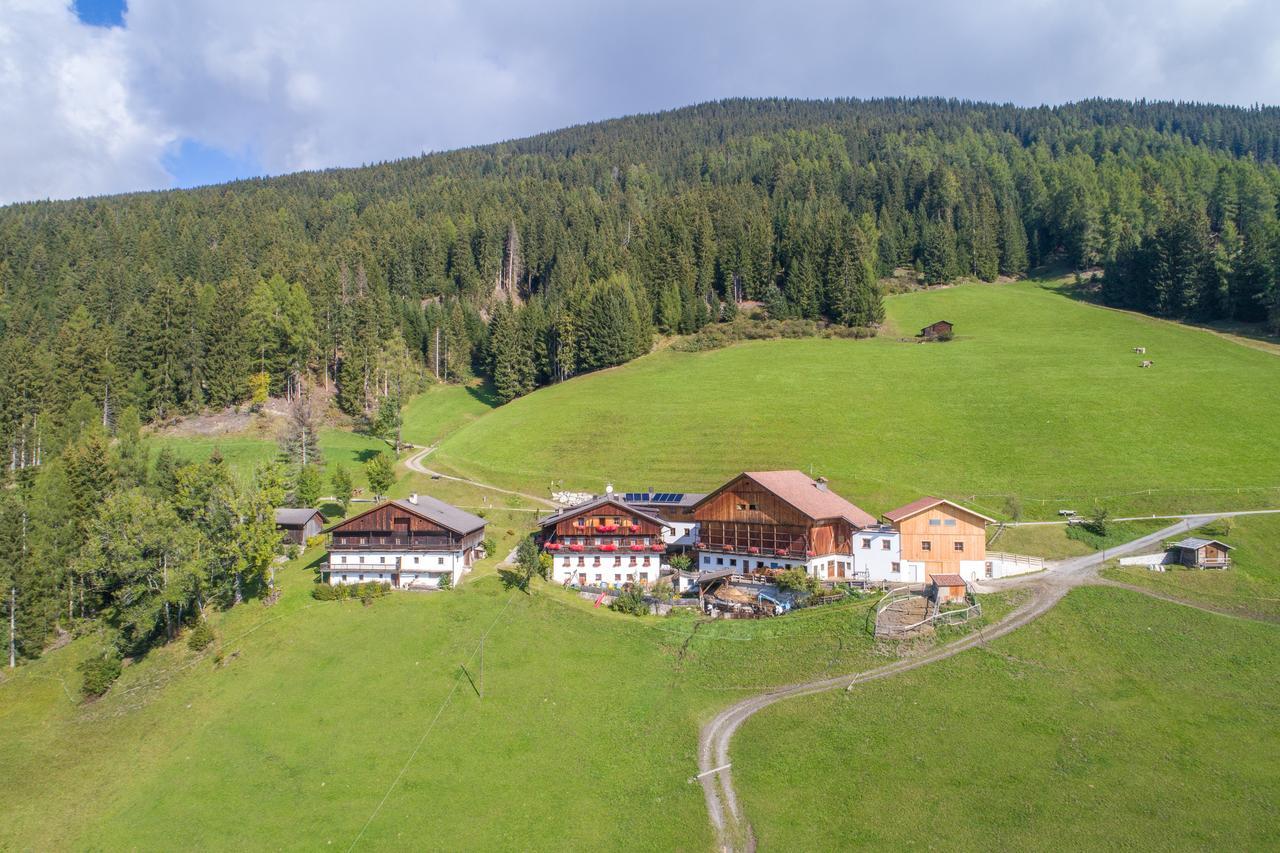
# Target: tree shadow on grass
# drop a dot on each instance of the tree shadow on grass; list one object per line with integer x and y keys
{"x": 513, "y": 579}
{"x": 484, "y": 394}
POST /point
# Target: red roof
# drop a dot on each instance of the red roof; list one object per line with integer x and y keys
{"x": 919, "y": 506}
{"x": 947, "y": 580}
{"x": 809, "y": 497}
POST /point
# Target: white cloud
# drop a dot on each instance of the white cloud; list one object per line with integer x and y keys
{"x": 72, "y": 124}
{"x": 306, "y": 83}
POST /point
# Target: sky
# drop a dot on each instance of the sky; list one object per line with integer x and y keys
{"x": 97, "y": 96}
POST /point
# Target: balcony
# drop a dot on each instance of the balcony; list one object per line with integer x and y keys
{"x": 396, "y": 543}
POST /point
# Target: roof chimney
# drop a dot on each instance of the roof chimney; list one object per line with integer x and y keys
{"x": 821, "y": 483}
{"x": 413, "y": 498}
{"x": 608, "y": 488}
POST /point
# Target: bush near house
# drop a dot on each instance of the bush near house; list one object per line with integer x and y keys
{"x": 366, "y": 591}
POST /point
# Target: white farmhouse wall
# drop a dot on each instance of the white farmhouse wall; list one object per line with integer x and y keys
{"x": 877, "y": 554}
{"x": 416, "y": 568}
{"x": 615, "y": 567}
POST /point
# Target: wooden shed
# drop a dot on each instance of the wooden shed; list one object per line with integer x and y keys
{"x": 1197, "y": 553}
{"x": 298, "y": 524}
{"x": 942, "y": 328}
{"x": 946, "y": 589}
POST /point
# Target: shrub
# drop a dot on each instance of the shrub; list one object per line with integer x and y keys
{"x": 446, "y": 581}
{"x": 1097, "y": 522}
{"x": 681, "y": 562}
{"x": 315, "y": 541}
{"x": 324, "y": 592}
{"x": 797, "y": 580}
{"x": 631, "y": 600}
{"x": 662, "y": 591}
{"x": 100, "y": 671}
{"x": 201, "y": 637}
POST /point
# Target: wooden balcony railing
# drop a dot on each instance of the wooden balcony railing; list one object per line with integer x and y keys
{"x": 396, "y": 543}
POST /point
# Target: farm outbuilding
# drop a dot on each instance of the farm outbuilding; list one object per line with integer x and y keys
{"x": 946, "y": 589}
{"x": 937, "y": 330}
{"x": 1197, "y": 553}
{"x": 298, "y": 524}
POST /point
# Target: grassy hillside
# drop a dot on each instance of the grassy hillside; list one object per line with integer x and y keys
{"x": 1115, "y": 722}
{"x": 441, "y": 409}
{"x": 1250, "y": 586}
{"x": 292, "y": 731}
{"x": 1038, "y": 396}
{"x": 243, "y": 451}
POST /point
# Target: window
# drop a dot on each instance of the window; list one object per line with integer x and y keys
{"x": 440, "y": 561}
{"x": 742, "y": 507}
{"x": 633, "y": 561}
{"x": 362, "y": 559}
{"x": 382, "y": 559}
{"x": 935, "y": 522}
{"x": 895, "y": 567}
{"x": 926, "y": 545}
{"x": 644, "y": 576}
{"x": 416, "y": 559}
{"x": 582, "y": 561}
{"x": 959, "y": 546}
{"x": 362, "y": 577}
{"x": 866, "y": 543}
{"x": 344, "y": 578}
{"x": 884, "y": 544}
{"x": 595, "y": 561}
{"x": 617, "y": 578}
{"x": 568, "y": 561}
{"x": 733, "y": 562}
{"x": 719, "y": 561}
{"x": 617, "y": 561}
{"x": 752, "y": 507}
{"x": 599, "y": 578}
{"x": 579, "y": 522}
{"x": 646, "y": 561}
{"x": 949, "y": 522}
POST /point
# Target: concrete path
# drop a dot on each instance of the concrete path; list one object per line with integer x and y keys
{"x": 714, "y": 764}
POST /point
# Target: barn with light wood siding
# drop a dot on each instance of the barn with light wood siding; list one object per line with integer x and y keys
{"x": 941, "y": 538}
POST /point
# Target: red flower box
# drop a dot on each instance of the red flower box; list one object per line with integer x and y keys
{"x": 553, "y": 546}
{"x": 609, "y": 547}
{"x": 658, "y": 547}
{"x": 575, "y": 547}
{"x": 635, "y": 528}
{"x": 782, "y": 552}
{"x": 608, "y": 528}
{"x": 637, "y": 547}
{"x": 811, "y": 553}
{"x": 753, "y": 550}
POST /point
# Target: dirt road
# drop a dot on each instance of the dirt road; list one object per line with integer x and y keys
{"x": 715, "y": 772}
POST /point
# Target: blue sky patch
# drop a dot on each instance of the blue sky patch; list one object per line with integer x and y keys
{"x": 194, "y": 164}
{"x": 100, "y": 13}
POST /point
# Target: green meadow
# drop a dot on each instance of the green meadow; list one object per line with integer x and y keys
{"x": 1115, "y": 722}
{"x": 1250, "y": 586}
{"x": 244, "y": 451}
{"x": 1039, "y": 396}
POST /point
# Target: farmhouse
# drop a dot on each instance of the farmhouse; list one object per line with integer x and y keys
{"x": 940, "y": 537}
{"x": 939, "y": 329}
{"x": 604, "y": 542}
{"x": 297, "y": 525}
{"x": 417, "y": 543}
{"x": 769, "y": 520}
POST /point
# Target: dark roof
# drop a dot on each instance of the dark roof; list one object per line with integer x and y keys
{"x": 806, "y": 495}
{"x": 947, "y": 580}
{"x": 922, "y": 504}
{"x": 437, "y": 511}
{"x": 297, "y": 516}
{"x": 573, "y": 511}
{"x": 1195, "y": 543}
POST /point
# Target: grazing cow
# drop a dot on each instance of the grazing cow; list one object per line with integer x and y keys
{"x": 1146, "y": 364}
{"x": 1140, "y": 350}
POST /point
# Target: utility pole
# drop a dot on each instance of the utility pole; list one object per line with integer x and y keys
{"x": 13, "y": 609}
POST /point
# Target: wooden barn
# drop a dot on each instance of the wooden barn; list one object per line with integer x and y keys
{"x": 940, "y": 329}
{"x": 938, "y": 537}
{"x": 1197, "y": 553}
{"x": 415, "y": 543}
{"x": 297, "y": 525}
{"x": 770, "y": 520}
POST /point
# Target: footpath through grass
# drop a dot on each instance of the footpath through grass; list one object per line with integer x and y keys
{"x": 1114, "y": 722}
{"x": 1039, "y": 396}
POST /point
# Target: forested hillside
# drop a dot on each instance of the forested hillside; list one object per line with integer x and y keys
{"x": 531, "y": 261}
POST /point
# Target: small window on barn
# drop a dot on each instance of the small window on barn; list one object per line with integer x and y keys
{"x": 926, "y": 545}
{"x": 752, "y": 507}
{"x": 935, "y": 522}
{"x": 866, "y": 543}
{"x": 580, "y": 521}
{"x": 949, "y": 522}
{"x": 742, "y": 507}
{"x": 440, "y": 561}
{"x": 884, "y": 544}
{"x": 959, "y": 546}
{"x": 895, "y": 567}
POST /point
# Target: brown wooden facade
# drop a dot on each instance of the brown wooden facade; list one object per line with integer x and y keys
{"x": 744, "y": 517}
{"x": 608, "y": 524}
{"x": 393, "y": 527}
{"x": 942, "y": 537}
